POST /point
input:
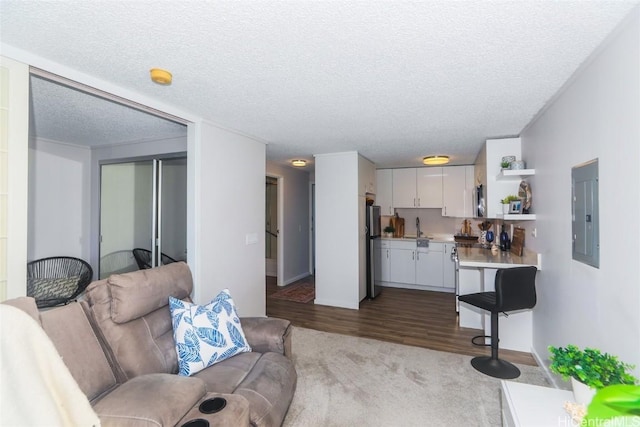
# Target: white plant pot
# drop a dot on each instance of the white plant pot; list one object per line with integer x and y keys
{"x": 582, "y": 393}
{"x": 505, "y": 208}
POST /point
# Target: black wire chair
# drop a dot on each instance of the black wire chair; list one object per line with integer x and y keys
{"x": 57, "y": 280}
{"x": 143, "y": 258}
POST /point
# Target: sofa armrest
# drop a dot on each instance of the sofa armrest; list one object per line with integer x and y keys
{"x": 268, "y": 334}
{"x": 235, "y": 413}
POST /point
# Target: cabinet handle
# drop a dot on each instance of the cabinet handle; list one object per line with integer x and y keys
{"x": 413, "y": 255}
{"x": 414, "y": 202}
{"x": 387, "y": 253}
{"x": 418, "y": 201}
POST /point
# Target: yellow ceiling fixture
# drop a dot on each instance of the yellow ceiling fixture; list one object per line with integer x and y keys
{"x": 299, "y": 163}
{"x": 160, "y": 76}
{"x": 435, "y": 160}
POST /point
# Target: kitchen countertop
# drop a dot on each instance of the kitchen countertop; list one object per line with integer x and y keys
{"x": 484, "y": 258}
{"x": 434, "y": 237}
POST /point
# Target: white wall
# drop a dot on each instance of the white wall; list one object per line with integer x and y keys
{"x": 14, "y": 153}
{"x": 230, "y": 196}
{"x": 337, "y": 230}
{"x": 294, "y": 234}
{"x": 59, "y": 189}
{"x": 597, "y": 116}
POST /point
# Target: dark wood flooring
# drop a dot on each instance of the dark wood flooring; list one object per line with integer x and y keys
{"x": 404, "y": 316}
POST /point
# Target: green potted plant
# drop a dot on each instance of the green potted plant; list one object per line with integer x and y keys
{"x": 505, "y": 165}
{"x": 506, "y": 201}
{"x": 389, "y": 230}
{"x": 589, "y": 367}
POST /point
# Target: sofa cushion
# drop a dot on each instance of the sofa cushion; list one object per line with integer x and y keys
{"x": 74, "y": 338}
{"x": 141, "y": 346}
{"x": 226, "y": 376}
{"x": 140, "y": 292}
{"x": 150, "y": 400}
{"x": 206, "y": 335}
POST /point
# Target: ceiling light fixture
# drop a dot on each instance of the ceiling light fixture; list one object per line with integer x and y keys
{"x": 160, "y": 76}
{"x": 435, "y": 160}
{"x": 299, "y": 163}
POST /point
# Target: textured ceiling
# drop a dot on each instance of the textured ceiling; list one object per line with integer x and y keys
{"x": 394, "y": 80}
{"x": 60, "y": 113}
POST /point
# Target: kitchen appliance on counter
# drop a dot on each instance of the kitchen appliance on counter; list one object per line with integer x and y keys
{"x": 373, "y": 233}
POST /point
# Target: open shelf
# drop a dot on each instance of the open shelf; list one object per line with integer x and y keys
{"x": 507, "y": 174}
{"x": 517, "y": 217}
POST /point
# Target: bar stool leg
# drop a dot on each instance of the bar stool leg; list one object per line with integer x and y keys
{"x": 493, "y": 366}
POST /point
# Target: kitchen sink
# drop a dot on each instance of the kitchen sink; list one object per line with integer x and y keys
{"x": 422, "y": 242}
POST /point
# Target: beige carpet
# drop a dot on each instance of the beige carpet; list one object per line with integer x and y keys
{"x": 350, "y": 381}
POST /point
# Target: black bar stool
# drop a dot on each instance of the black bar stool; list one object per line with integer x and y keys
{"x": 515, "y": 290}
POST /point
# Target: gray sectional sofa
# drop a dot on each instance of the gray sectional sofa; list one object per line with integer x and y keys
{"x": 117, "y": 342}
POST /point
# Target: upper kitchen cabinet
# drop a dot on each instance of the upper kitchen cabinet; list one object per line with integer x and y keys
{"x": 429, "y": 183}
{"x": 457, "y": 191}
{"x": 404, "y": 188}
{"x": 384, "y": 191}
{"x": 417, "y": 187}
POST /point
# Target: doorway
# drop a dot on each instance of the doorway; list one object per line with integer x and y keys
{"x": 142, "y": 206}
{"x": 271, "y": 227}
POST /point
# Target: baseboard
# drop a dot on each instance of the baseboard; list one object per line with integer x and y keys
{"x": 340, "y": 304}
{"x": 417, "y": 287}
{"x": 547, "y": 373}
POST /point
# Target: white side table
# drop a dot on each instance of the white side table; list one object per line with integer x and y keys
{"x": 526, "y": 405}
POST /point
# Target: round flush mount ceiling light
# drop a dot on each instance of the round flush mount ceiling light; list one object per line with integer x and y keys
{"x": 435, "y": 160}
{"x": 299, "y": 163}
{"x": 160, "y": 76}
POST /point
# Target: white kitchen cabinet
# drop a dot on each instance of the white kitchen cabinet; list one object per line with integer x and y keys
{"x": 417, "y": 187}
{"x": 384, "y": 191}
{"x": 457, "y": 191}
{"x": 429, "y": 266}
{"x": 404, "y": 188}
{"x": 448, "y": 267}
{"x": 429, "y": 187}
{"x": 382, "y": 264}
{"x": 402, "y": 266}
{"x": 453, "y": 191}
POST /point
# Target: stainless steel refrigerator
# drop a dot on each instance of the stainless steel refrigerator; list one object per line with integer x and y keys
{"x": 373, "y": 254}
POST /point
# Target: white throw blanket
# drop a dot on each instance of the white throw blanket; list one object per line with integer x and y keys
{"x": 36, "y": 388}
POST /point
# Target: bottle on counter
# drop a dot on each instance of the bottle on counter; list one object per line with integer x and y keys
{"x": 505, "y": 243}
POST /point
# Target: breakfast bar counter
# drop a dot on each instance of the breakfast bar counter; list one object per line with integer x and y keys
{"x": 474, "y": 257}
{"x": 477, "y": 271}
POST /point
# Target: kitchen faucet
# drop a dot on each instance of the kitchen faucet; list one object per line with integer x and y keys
{"x": 418, "y": 227}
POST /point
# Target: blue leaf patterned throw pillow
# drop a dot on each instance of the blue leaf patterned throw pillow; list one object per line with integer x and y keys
{"x": 208, "y": 334}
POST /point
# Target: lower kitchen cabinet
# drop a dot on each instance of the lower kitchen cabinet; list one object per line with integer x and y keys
{"x": 429, "y": 266}
{"x": 402, "y": 266}
{"x": 382, "y": 266}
